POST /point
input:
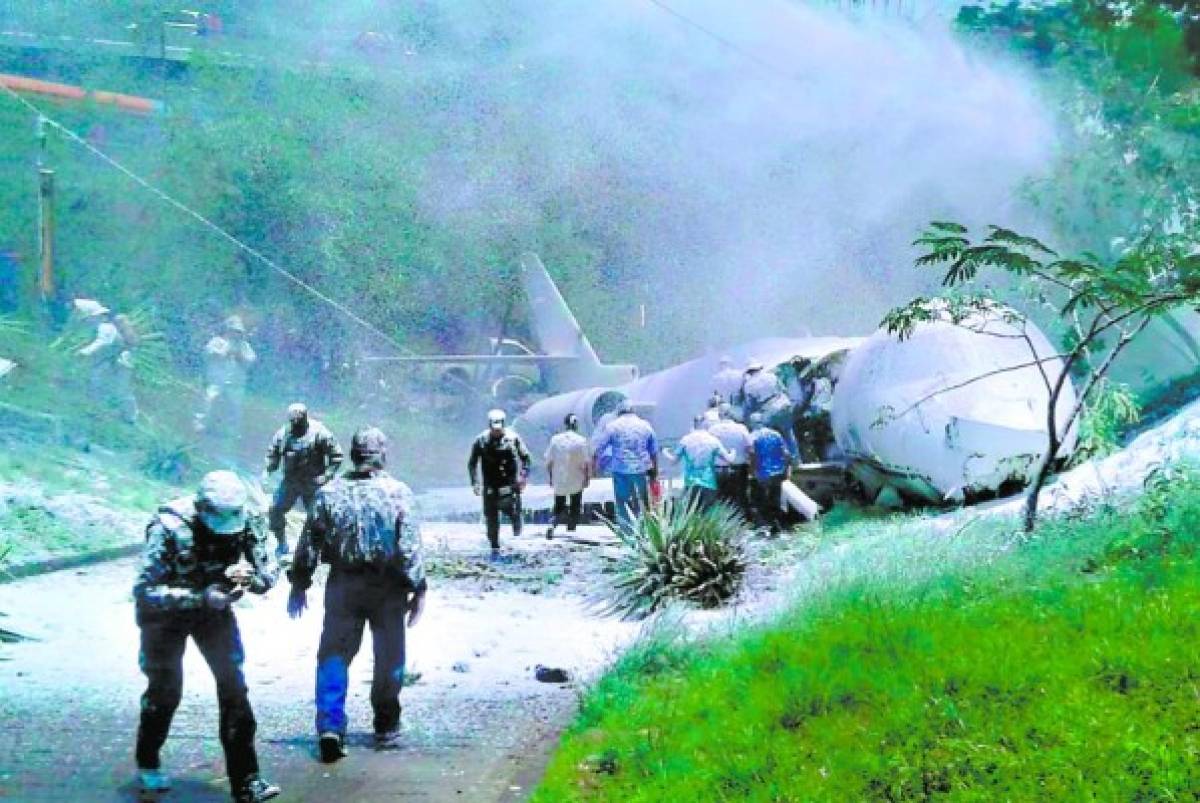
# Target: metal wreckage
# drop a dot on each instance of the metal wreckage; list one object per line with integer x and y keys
{"x": 953, "y": 414}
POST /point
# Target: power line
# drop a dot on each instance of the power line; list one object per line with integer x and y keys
{"x": 723, "y": 41}
{"x": 204, "y": 221}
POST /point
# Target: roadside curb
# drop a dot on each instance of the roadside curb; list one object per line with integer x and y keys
{"x": 21, "y": 571}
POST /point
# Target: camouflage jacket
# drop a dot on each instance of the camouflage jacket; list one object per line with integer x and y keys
{"x": 307, "y": 457}
{"x": 227, "y": 360}
{"x": 505, "y": 460}
{"x": 362, "y": 521}
{"x": 182, "y": 558}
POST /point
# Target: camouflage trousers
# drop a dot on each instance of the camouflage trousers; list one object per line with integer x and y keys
{"x": 164, "y": 637}
{"x": 286, "y": 496}
{"x": 111, "y": 384}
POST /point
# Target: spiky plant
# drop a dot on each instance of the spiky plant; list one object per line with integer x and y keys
{"x": 168, "y": 458}
{"x": 679, "y": 551}
{"x": 7, "y": 636}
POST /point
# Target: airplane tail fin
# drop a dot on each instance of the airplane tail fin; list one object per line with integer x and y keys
{"x": 556, "y": 328}
{"x": 560, "y": 335}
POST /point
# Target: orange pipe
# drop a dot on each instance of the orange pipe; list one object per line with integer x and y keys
{"x": 22, "y": 84}
{"x": 130, "y": 103}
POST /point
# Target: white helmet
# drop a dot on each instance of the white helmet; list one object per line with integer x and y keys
{"x": 89, "y": 308}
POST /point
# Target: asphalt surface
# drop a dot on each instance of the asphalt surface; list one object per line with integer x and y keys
{"x": 477, "y": 725}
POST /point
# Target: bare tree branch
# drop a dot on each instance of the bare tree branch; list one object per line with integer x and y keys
{"x": 973, "y": 380}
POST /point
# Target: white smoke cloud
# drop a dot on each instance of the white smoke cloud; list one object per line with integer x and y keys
{"x": 771, "y": 189}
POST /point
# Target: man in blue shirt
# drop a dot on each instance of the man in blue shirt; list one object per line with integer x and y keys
{"x": 633, "y": 449}
{"x": 771, "y": 461}
{"x": 701, "y": 454}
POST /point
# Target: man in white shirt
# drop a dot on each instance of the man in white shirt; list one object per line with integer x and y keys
{"x": 733, "y": 476}
{"x": 569, "y": 464}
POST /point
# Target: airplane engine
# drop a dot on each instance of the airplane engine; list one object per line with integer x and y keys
{"x": 545, "y": 418}
{"x": 909, "y": 418}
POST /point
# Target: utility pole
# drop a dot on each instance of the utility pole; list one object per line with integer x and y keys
{"x": 45, "y": 217}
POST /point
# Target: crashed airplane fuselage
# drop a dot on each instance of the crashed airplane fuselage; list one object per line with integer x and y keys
{"x": 948, "y": 415}
{"x": 670, "y": 398}
{"x": 951, "y": 413}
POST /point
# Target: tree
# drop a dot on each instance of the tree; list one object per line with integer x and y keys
{"x": 1104, "y": 306}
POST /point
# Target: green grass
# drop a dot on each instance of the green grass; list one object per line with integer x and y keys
{"x": 1062, "y": 667}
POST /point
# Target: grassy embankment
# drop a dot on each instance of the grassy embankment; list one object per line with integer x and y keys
{"x": 964, "y": 664}
{"x": 75, "y": 479}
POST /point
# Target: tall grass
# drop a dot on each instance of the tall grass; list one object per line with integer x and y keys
{"x": 1059, "y": 668}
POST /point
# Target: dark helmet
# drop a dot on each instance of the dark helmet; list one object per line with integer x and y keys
{"x": 369, "y": 447}
{"x": 221, "y": 502}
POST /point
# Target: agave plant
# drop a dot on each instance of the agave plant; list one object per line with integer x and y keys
{"x": 169, "y": 459}
{"x": 7, "y": 636}
{"x": 680, "y": 551}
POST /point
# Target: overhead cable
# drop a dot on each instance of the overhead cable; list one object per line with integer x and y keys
{"x": 204, "y": 221}
{"x": 723, "y": 41}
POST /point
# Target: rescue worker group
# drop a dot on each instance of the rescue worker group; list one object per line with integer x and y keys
{"x": 203, "y": 552}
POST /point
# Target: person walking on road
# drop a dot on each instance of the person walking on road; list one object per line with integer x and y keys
{"x": 633, "y": 448}
{"x": 569, "y": 465}
{"x": 771, "y": 460}
{"x": 700, "y": 451}
{"x": 364, "y": 528}
{"x": 202, "y": 553}
{"x": 310, "y": 456}
{"x": 505, "y": 463}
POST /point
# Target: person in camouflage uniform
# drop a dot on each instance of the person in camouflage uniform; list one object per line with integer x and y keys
{"x": 227, "y": 360}
{"x": 506, "y": 463}
{"x": 110, "y": 361}
{"x": 364, "y": 528}
{"x": 310, "y": 456}
{"x": 202, "y": 553}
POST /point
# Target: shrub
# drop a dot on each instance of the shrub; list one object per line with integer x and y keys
{"x": 678, "y": 552}
{"x": 169, "y": 460}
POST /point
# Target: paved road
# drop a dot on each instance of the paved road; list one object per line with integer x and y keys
{"x": 478, "y": 731}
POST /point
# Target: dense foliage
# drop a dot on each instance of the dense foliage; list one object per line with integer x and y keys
{"x": 1063, "y": 669}
{"x": 1125, "y": 78}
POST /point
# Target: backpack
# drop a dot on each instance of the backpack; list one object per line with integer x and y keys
{"x": 128, "y": 333}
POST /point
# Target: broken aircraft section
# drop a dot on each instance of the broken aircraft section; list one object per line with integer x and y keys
{"x": 952, "y": 414}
